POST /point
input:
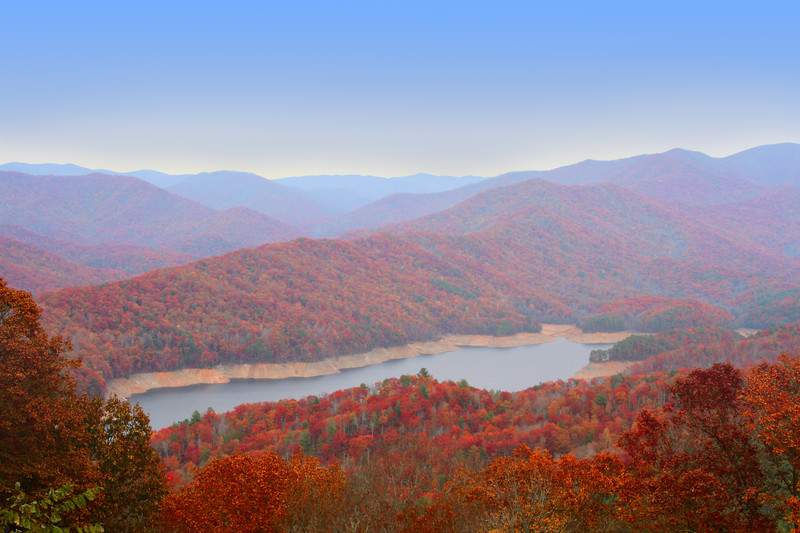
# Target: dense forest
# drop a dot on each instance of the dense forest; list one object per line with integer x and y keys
{"x": 679, "y": 449}
{"x": 574, "y": 416}
{"x": 654, "y": 313}
{"x": 501, "y": 262}
{"x": 288, "y": 301}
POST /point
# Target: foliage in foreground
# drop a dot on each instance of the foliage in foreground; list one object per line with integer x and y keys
{"x": 57, "y": 511}
{"x": 722, "y": 455}
{"x": 718, "y": 450}
{"x": 51, "y": 436}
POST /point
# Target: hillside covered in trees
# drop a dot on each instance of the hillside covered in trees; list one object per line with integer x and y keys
{"x": 716, "y": 446}
{"x": 650, "y": 451}
{"x": 574, "y": 416}
{"x": 117, "y": 223}
{"x": 501, "y": 262}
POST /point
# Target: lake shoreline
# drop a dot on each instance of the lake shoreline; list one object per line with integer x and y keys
{"x": 148, "y": 381}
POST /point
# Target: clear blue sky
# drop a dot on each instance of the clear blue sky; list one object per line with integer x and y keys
{"x": 391, "y": 88}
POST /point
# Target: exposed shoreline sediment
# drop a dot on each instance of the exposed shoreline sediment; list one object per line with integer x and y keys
{"x": 143, "y": 382}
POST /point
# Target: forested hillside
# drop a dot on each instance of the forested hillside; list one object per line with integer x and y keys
{"x": 771, "y": 220}
{"x": 102, "y": 209}
{"x": 500, "y": 262}
{"x": 100, "y": 228}
{"x": 36, "y": 270}
{"x": 129, "y": 258}
{"x": 696, "y": 447}
{"x": 602, "y": 236}
{"x": 655, "y": 313}
{"x": 303, "y": 300}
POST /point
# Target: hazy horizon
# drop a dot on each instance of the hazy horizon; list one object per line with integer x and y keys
{"x": 362, "y": 88}
{"x": 419, "y": 172}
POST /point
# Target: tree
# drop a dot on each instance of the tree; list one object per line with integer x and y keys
{"x": 258, "y": 492}
{"x": 771, "y": 401}
{"x": 694, "y": 460}
{"x": 43, "y": 438}
{"x": 532, "y": 491}
{"x": 132, "y": 475}
{"x": 50, "y": 436}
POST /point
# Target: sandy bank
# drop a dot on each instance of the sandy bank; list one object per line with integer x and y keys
{"x": 139, "y": 383}
{"x": 602, "y": 370}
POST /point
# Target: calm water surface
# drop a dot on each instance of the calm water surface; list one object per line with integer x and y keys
{"x": 509, "y": 369}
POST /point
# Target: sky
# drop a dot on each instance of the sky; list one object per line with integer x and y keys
{"x": 391, "y": 88}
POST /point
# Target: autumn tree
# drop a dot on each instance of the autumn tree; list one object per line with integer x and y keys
{"x": 532, "y": 491}
{"x": 771, "y": 402}
{"x": 52, "y": 437}
{"x": 695, "y": 462}
{"x": 43, "y": 438}
{"x": 258, "y": 492}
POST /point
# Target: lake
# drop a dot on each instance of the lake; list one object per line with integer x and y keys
{"x": 509, "y": 369}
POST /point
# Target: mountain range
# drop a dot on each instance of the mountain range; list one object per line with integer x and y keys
{"x": 496, "y": 255}
{"x": 299, "y": 200}
{"x": 675, "y": 177}
{"x": 124, "y": 221}
{"x": 503, "y": 260}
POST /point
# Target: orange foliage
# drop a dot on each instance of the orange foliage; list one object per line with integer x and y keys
{"x": 771, "y": 402}
{"x": 531, "y": 490}
{"x": 718, "y": 455}
{"x": 43, "y": 442}
{"x": 655, "y": 313}
{"x": 51, "y": 436}
{"x": 258, "y": 492}
{"x": 286, "y": 302}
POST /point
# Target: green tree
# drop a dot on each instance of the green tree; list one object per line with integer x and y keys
{"x": 133, "y": 477}
{"x": 59, "y": 510}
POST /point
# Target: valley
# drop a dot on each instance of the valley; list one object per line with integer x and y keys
{"x": 144, "y": 382}
{"x": 463, "y": 320}
{"x": 509, "y": 368}
{"x": 399, "y": 267}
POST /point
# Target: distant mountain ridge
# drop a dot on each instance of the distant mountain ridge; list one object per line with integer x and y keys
{"x": 36, "y": 270}
{"x": 102, "y": 209}
{"x": 117, "y": 223}
{"x": 336, "y": 205}
{"x": 225, "y": 190}
{"x": 675, "y": 177}
{"x": 344, "y": 193}
{"x": 159, "y": 179}
{"x": 301, "y": 201}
